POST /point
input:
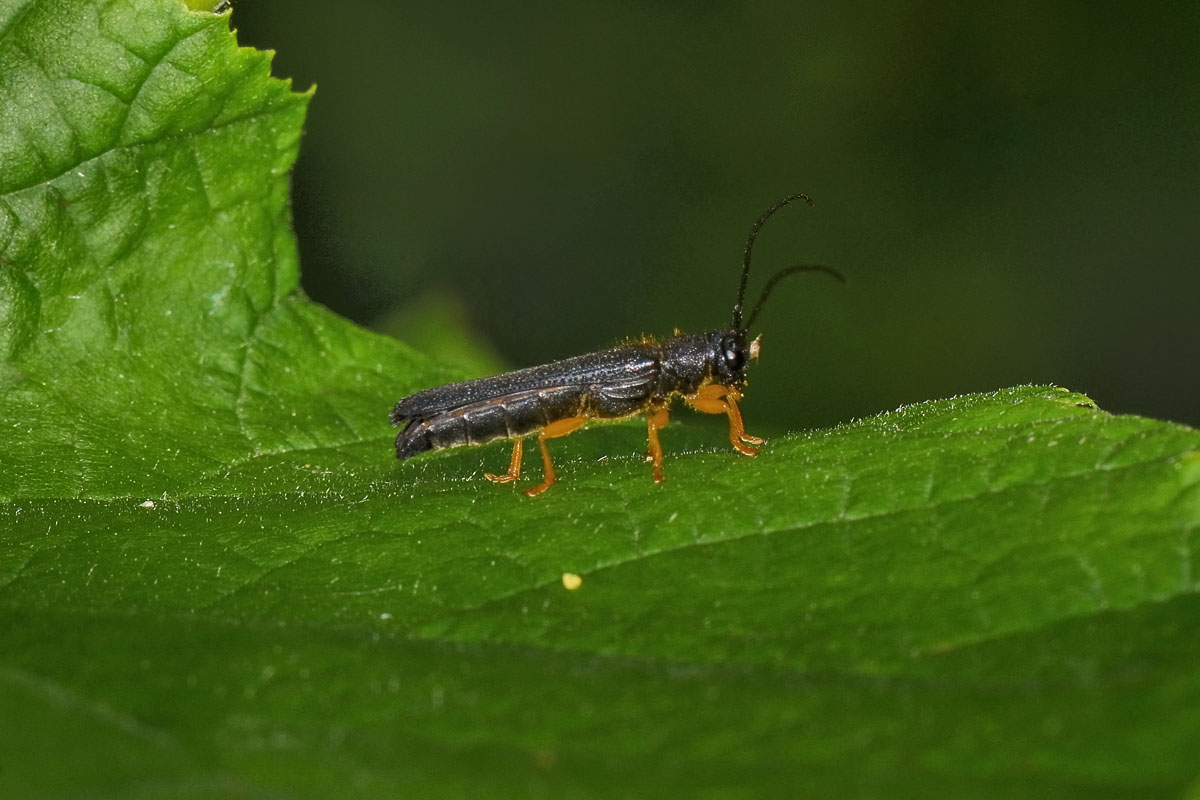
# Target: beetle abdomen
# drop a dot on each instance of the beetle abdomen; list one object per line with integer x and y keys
{"x": 498, "y": 418}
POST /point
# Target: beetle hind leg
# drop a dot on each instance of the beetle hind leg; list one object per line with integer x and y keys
{"x": 514, "y": 465}
{"x": 552, "y": 431}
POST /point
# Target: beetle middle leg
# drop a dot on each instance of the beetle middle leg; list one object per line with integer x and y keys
{"x": 514, "y": 465}
{"x": 554, "y": 430}
{"x": 718, "y": 399}
{"x": 656, "y": 419}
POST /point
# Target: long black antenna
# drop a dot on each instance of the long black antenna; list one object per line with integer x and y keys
{"x": 783, "y": 273}
{"x": 737, "y": 307}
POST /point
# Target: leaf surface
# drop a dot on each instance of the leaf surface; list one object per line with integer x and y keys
{"x": 215, "y": 579}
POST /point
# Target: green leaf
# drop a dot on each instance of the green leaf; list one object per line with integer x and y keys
{"x": 215, "y": 579}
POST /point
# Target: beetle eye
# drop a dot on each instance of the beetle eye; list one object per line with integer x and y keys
{"x": 735, "y": 359}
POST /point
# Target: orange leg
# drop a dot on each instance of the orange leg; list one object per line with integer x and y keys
{"x": 552, "y": 431}
{"x": 656, "y": 420}
{"x": 718, "y": 399}
{"x": 514, "y": 466}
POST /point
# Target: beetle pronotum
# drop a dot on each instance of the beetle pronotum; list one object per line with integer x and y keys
{"x": 708, "y": 370}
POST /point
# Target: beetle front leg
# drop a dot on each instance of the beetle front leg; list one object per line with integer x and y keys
{"x": 718, "y": 399}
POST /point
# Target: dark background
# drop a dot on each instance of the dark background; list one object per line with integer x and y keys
{"x": 1012, "y": 189}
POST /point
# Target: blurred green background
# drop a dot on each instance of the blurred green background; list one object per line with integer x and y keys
{"x": 1013, "y": 189}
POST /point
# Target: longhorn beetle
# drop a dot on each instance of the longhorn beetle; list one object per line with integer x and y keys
{"x": 707, "y": 369}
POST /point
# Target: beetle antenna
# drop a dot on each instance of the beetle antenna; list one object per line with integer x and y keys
{"x": 783, "y": 273}
{"x": 766, "y": 215}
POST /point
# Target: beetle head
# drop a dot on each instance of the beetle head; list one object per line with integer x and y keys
{"x": 735, "y": 354}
